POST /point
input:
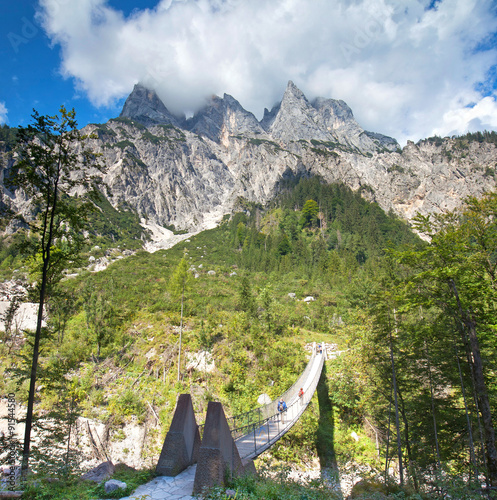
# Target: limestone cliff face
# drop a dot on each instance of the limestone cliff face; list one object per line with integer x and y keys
{"x": 189, "y": 173}
{"x": 223, "y": 117}
{"x": 145, "y": 106}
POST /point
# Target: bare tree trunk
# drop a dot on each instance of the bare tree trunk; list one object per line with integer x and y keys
{"x": 181, "y": 330}
{"x": 485, "y": 409}
{"x": 435, "y": 432}
{"x": 47, "y": 238}
{"x": 410, "y": 457}
{"x": 397, "y": 422}
{"x": 388, "y": 434}
{"x": 468, "y": 421}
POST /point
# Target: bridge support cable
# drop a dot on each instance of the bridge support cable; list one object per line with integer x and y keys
{"x": 263, "y": 426}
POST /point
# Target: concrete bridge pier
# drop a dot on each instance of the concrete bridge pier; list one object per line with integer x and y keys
{"x": 182, "y": 442}
{"x": 218, "y": 456}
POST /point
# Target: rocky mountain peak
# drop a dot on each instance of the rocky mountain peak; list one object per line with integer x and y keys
{"x": 293, "y": 92}
{"x": 223, "y": 117}
{"x": 294, "y": 118}
{"x": 323, "y": 119}
{"x": 145, "y": 106}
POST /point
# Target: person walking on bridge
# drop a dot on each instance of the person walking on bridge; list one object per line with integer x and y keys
{"x": 282, "y": 409}
{"x": 301, "y": 396}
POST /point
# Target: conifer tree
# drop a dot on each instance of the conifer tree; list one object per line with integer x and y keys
{"x": 309, "y": 213}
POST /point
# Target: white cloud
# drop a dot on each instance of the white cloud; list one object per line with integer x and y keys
{"x": 462, "y": 118}
{"x": 3, "y": 113}
{"x": 405, "y": 71}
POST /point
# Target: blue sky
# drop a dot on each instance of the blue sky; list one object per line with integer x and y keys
{"x": 30, "y": 76}
{"x": 408, "y": 69}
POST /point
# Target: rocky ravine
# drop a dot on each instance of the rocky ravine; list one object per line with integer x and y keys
{"x": 189, "y": 173}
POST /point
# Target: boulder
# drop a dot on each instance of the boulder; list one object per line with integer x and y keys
{"x": 113, "y": 485}
{"x": 100, "y": 473}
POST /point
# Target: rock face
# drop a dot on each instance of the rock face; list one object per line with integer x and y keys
{"x": 189, "y": 173}
{"x": 145, "y": 106}
{"x": 221, "y": 118}
{"x": 325, "y": 120}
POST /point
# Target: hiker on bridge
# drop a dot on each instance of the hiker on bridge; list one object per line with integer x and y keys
{"x": 301, "y": 396}
{"x": 282, "y": 409}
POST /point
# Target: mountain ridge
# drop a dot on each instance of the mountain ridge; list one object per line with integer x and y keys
{"x": 292, "y": 119}
{"x": 188, "y": 173}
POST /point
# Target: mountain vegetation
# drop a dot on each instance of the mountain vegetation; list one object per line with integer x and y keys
{"x": 410, "y": 397}
{"x": 381, "y": 294}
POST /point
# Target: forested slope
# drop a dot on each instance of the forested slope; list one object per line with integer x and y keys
{"x": 389, "y": 301}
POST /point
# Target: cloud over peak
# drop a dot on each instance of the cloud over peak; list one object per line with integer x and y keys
{"x": 406, "y": 71}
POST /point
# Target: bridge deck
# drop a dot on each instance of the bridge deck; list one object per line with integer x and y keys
{"x": 261, "y": 435}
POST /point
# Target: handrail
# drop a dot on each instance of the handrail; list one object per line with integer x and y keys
{"x": 267, "y": 419}
{"x": 260, "y": 420}
{"x": 268, "y": 410}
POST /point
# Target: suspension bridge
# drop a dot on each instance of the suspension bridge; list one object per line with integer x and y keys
{"x": 266, "y": 425}
{"x": 195, "y": 457}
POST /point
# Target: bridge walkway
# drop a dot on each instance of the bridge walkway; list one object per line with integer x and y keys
{"x": 257, "y": 430}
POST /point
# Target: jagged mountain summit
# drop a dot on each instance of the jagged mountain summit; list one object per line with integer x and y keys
{"x": 144, "y": 105}
{"x": 327, "y": 120}
{"x": 293, "y": 119}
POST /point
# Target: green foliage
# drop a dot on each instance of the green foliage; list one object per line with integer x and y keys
{"x": 8, "y": 136}
{"x": 309, "y": 213}
{"x": 274, "y": 484}
{"x": 350, "y": 229}
{"x": 181, "y": 279}
{"x": 124, "y": 144}
{"x": 100, "y": 315}
{"x": 246, "y": 300}
{"x": 126, "y": 404}
{"x": 485, "y": 136}
{"x": 396, "y": 168}
{"x": 72, "y": 488}
{"x": 102, "y": 131}
{"x": 154, "y": 139}
{"x": 112, "y": 227}
{"x": 258, "y": 142}
{"x": 130, "y": 122}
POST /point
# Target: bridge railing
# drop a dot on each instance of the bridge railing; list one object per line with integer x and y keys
{"x": 291, "y": 412}
{"x": 265, "y": 424}
{"x": 267, "y": 411}
{"x": 263, "y": 432}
